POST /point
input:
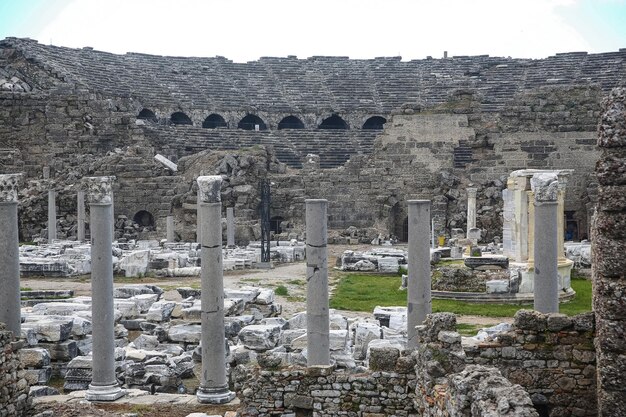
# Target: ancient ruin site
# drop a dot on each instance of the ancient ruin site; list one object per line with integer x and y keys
{"x": 311, "y": 237}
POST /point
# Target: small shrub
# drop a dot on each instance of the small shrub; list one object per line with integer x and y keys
{"x": 281, "y": 290}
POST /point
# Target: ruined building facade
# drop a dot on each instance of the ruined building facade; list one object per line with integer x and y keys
{"x": 365, "y": 134}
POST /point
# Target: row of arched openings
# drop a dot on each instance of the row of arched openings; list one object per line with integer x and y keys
{"x": 251, "y": 121}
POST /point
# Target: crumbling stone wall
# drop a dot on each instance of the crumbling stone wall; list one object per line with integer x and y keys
{"x": 608, "y": 260}
{"x": 551, "y": 355}
{"x": 14, "y": 399}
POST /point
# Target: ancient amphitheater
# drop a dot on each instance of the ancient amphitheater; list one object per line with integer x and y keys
{"x": 367, "y": 135}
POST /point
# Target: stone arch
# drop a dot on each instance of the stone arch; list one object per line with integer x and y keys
{"x": 180, "y": 118}
{"x": 334, "y": 122}
{"x": 250, "y": 121}
{"x": 375, "y": 123}
{"x": 144, "y": 218}
{"x": 399, "y": 223}
{"x": 213, "y": 121}
{"x": 147, "y": 115}
{"x": 290, "y": 122}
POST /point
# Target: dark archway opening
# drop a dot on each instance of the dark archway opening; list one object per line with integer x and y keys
{"x": 213, "y": 121}
{"x": 180, "y": 118}
{"x": 571, "y": 226}
{"x": 334, "y": 122}
{"x": 375, "y": 123}
{"x": 290, "y": 122}
{"x": 250, "y": 122}
{"x": 275, "y": 224}
{"x": 144, "y": 218}
{"x": 147, "y": 115}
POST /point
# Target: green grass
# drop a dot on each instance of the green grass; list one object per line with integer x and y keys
{"x": 465, "y": 329}
{"x": 297, "y": 282}
{"x": 281, "y": 290}
{"x": 359, "y": 292}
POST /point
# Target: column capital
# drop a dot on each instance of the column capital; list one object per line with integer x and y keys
{"x": 8, "y": 187}
{"x": 471, "y": 192}
{"x": 545, "y": 186}
{"x": 99, "y": 189}
{"x": 209, "y": 188}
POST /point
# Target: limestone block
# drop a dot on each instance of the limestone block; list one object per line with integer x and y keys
{"x": 127, "y": 307}
{"x": 497, "y": 286}
{"x": 383, "y": 358}
{"x": 135, "y": 263}
{"x": 34, "y": 357}
{"x": 247, "y": 294}
{"x": 260, "y": 337}
{"x": 289, "y": 335}
{"x": 393, "y": 317}
{"x": 188, "y": 333}
{"x": 145, "y": 341}
{"x": 364, "y": 265}
{"x": 48, "y": 330}
{"x": 59, "y": 308}
{"x": 266, "y": 296}
{"x": 63, "y": 351}
{"x": 39, "y": 376}
{"x": 160, "y": 311}
{"x": 337, "y": 321}
{"x": 233, "y": 306}
{"x": 388, "y": 265}
{"x": 338, "y": 341}
{"x": 276, "y": 321}
{"x": 297, "y": 321}
{"x": 144, "y": 301}
{"x": 42, "y": 391}
{"x": 364, "y": 333}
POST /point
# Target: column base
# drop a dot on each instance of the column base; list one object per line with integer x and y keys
{"x": 104, "y": 392}
{"x": 220, "y": 395}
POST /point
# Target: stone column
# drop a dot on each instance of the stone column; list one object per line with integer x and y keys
{"x": 213, "y": 384}
{"x": 103, "y": 385}
{"x": 608, "y": 259}
{"x": 230, "y": 227}
{"x": 52, "y": 215}
{"x": 9, "y": 254}
{"x": 81, "y": 216}
{"x": 418, "y": 286}
{"x": 546, "y": 284}
{"x": 169, "y": 228}
{"x": 471, "y": 210}
{"x": 317, "y": 322}
{"x": 198, "y": 218}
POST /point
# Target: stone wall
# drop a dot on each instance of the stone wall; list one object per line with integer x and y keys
{"x": 14, "y": 399}
{"x": 608, "y": 261}
{"x": 551, "y": 355}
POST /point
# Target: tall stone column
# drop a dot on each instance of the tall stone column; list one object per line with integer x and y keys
{"x": 213, "y": 384}
{"x": 419, "y": 302}
{"x": 471, "y": 209}
{"x": 317, "y": 320}
{"x": 230, "y": 227}
{"x": 546, "y": 285}
{"x": 52, "y": 215}
{"x": 198, "y": 218}
{"x": 169, "y": 228}
{"x": 608, "y": 260}
{"x": 104, "y": 386}
{"x": 80, "y": 236}
{"x": 9, "y": 254}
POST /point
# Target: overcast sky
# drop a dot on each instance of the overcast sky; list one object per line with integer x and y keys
{"x": 244, "y": 30}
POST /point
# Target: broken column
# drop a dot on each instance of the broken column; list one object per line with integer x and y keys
{"x": 608, "y": 259}
{"x": 80, "y": 233}
{"x": 169, "y": 228}
{"x": 104, "y": 386}
{"x": 418, "y": 286}
{"x": 9, "y": 254}
{"x": 52, "y": 215}
{"x": 546, "y": 281}
{"x": 471, "y": 209}
{"x": 318, "y": 339}
{"x": 230, "y": 227}
{"x": 198, "y": 218}
{"x": 213, "y": 384}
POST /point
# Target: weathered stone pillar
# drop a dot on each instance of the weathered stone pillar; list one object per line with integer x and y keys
{"x": 471, "y": 210}
{"x": 230, "y": 227}
{"x": 318, "y": 326}
{"x": 546, "y": 284}
{"x": 198, "y": 218}
{"x": 213, "y": 384}
{"x": 103, "y": 385}
{"x": 52, "y": 215}
{"x": 608, "y": 260}
{"x": 169, "y": 228}
{"x": 9, "y": 254}
{"x": 80, "y": 234}
{"x": 418, "y": 286}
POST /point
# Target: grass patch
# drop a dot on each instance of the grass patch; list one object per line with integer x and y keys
{"x": 359, "y": 292}
{"x": 26, "y": 289}
{"x": 297, "y": 282}
{"x": 465, "y": 329}
{"x": 281, "y": 290}
{"x": 451, "y": 262}
{"x": 295, "y": 299}
{"x": 253, "y": 280}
